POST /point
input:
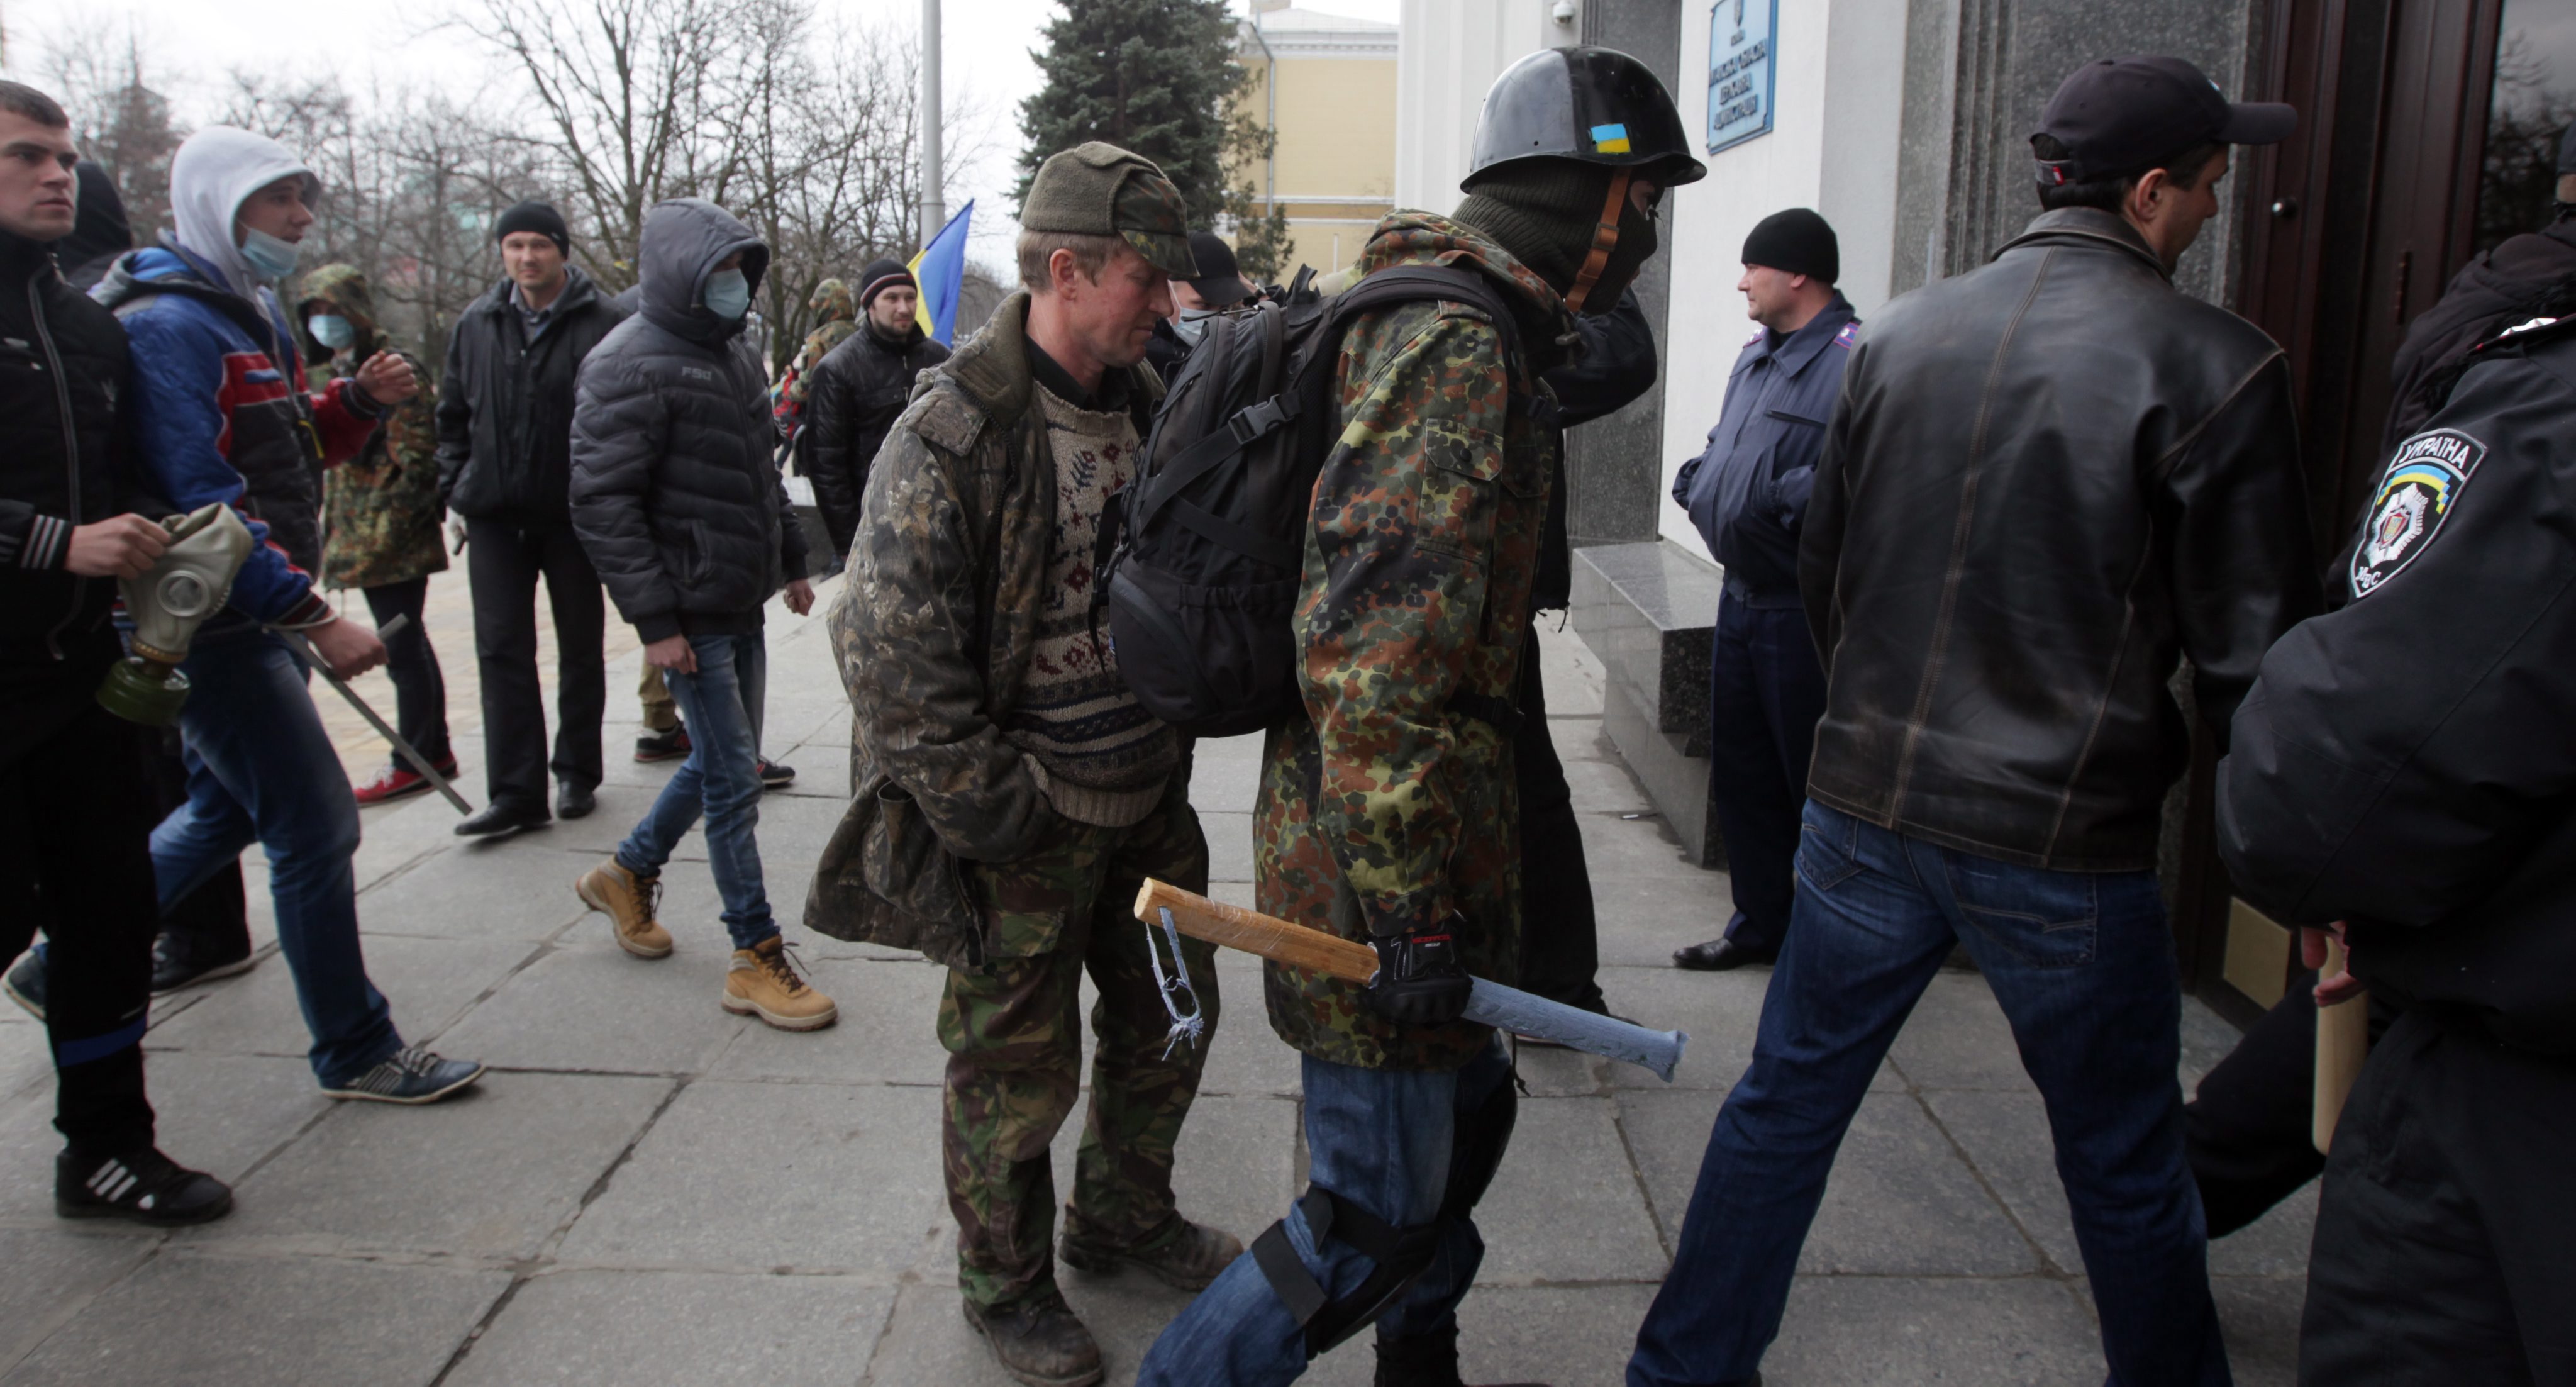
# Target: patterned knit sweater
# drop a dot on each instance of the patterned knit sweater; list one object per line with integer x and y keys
{"x": 1106, "y": 758}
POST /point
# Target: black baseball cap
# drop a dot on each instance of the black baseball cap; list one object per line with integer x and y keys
{"x": 1220, "y": 284}
{"x": 2124, "y": 116}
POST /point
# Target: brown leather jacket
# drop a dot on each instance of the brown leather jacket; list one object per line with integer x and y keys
{"x": 2047, "y": 481}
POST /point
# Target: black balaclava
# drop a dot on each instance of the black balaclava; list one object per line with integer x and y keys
{"x": 1546, "y": 213}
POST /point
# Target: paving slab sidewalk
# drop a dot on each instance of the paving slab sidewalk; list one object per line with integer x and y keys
{"x": 651, "y": 1191}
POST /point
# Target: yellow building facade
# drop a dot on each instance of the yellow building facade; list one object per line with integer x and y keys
{"x": 1326, "y": 84}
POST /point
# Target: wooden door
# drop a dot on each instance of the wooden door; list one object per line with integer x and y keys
{"x": 2356, "y": 224}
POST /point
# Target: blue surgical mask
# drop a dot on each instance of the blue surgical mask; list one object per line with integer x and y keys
{"x": 332, "y": 330}
{"x": 728, "y": 294}
{"x": 273, "y": 258}
{"x": 1192, "y": 324}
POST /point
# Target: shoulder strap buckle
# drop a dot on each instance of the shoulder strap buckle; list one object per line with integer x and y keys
{"x": 1253, "y": 421}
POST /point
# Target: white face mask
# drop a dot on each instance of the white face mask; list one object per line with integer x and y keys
{"x": 1192, "y": 324}
{"x": 332, "y": 330}
{"x": 728, "y": 294}
{"x": 269, "y": 255}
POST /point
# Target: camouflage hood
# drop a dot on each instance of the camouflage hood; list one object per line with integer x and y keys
{"x": 1423, "y": 238}
{"x": 340, "y": 290}
{"x": 832, "y": 302}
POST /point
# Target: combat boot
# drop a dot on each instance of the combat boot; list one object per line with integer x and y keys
{"x": 1183, "y": 1255}
{"x": 1423, "y": 1360}
{"x": 763, "y": 983}
{"x": 628, "y": 901}
{"x": 1039, "y": 1341}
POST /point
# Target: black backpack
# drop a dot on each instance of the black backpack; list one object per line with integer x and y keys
{"x": 1200, "y": 556}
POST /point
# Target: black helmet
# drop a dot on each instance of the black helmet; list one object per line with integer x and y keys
{"x": 1597, "y": 105}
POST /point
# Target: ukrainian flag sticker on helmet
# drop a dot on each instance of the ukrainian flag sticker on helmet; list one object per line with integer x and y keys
{"x": 1610, "y": 139}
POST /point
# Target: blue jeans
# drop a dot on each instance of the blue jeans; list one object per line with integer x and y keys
{"x": 721, "y": 778}
{"x": 261, "y": 769}
{"x": 1384, "y": 1139}
{"x": 2083, "y": 966}
{"x": 1765, "y": 693}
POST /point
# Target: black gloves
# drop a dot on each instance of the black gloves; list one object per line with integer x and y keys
{"x": 1420, "y": 981}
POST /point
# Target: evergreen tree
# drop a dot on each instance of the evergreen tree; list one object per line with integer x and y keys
{"x": 1153, "y": 76}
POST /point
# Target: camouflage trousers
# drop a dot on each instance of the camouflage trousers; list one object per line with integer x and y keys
{"x": 1014, "y": 1038}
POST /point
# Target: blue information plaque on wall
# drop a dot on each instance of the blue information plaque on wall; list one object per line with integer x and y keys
{"x": 1739, "y": 70}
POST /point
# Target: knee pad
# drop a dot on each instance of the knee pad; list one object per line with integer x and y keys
{"x": 1401, "y": 1256}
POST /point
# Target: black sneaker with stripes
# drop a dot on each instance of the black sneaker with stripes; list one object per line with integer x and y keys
{"x": 142, "y": 1185}
{"x": 409, "y": 1075}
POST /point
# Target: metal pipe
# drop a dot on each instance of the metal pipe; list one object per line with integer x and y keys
{"x": 934, "y": 207}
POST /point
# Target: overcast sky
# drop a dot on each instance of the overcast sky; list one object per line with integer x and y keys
{"x": 390, "y": 42}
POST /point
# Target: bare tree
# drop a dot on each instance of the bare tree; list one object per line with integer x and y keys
{"x": 121, "y": 116}
{"x": 626, "y": 92}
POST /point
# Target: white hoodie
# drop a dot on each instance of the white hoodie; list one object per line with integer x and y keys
{"x": 214, "y": 172}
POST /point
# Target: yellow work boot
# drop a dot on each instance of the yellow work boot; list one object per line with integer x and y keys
{"x": 628, "y": 901}
{"x": 763, "y": 983}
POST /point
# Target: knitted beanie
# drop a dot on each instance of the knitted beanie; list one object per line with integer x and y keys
{"x": 539, "y": 217}
{"x": 880, "y": 275}
{"x": 1796, "y": 242}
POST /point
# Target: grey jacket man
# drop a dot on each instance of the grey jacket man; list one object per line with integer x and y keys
{"x": 674, "y": 491}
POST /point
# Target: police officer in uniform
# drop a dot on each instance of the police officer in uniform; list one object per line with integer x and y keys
{"x": 2403, "y": 764}
{"x": 1747, "y": 493}
{"x": 2248, "y": 1128}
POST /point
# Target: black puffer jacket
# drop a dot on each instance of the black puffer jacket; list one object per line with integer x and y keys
{"x": 2502, "y": 288}
{"x": 852, "y": 401}
{"x": 505, "y": 404}
{"x": 63, "y": 365}
{"x": 2048, "y": 479}
{"x": 674, "y": 491}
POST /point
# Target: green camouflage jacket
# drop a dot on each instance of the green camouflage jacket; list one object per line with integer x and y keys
{"x": 836, "y": 317}
{"x": 934, "y": 628}
{"x": 380, "y": 508}
{"x": 1389, "y": 807}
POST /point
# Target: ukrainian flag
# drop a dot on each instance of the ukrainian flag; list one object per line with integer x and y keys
{"x": 1610, "y": 139}
{"x": 940, "y": 270}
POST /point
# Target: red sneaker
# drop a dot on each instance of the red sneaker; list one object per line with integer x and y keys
{"x": 400, "y": 782}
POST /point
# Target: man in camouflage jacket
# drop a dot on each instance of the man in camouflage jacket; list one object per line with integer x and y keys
{"x": 1388, "y": 814}
{"x": 836, "y": 316}
{"x": 1010, "y": 793}
{"x": 380, "y": 519}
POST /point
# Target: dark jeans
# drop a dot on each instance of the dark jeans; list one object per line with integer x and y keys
{"x": 504, "y": 562}
{"x": 1394, "y": 1142}
{"x": 420, "y": 691}
{"x": 75, "y": 826}
{"x": 261, "y": 769}
{"x": 2442, "y": 1244}
{"x": 211, "y": 923}
{"x": 721, "y": 779}
{"x": 1560, "y": 936}
{"x": 2083, "y": 966}
{"x": 1765, "y": 693}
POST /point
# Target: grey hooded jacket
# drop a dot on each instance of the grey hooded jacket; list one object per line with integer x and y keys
{"x": 675, "y": 493}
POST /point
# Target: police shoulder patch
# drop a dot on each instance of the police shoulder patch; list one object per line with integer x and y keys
{"x": 1756, "y": 338}
{"x": 1849, "y": 336}
{"x": 2422, "y": 485}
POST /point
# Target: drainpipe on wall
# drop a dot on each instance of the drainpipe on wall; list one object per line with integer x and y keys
{"x": 1270, "y": 121}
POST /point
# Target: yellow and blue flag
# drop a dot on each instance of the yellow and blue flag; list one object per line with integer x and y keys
{"x": 940, "y": 270}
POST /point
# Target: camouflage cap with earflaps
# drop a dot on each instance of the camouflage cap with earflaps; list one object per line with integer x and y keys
{"x": 1098, "y": 189}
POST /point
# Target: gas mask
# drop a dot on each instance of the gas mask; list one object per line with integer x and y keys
{"x": 187, "y": 584}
